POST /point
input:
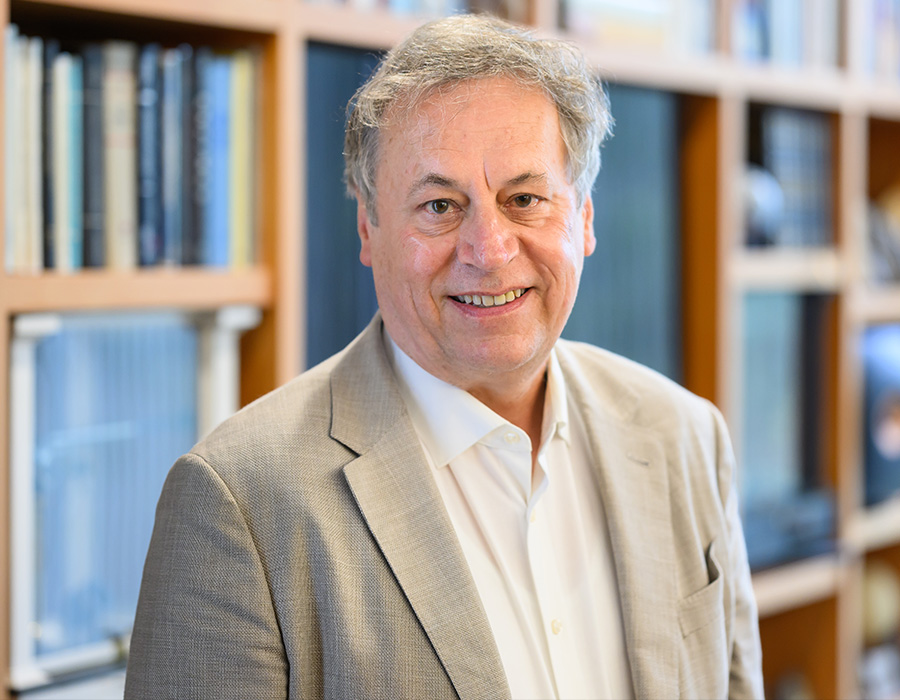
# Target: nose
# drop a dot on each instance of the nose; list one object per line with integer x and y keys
{"x": 487, "y": 240}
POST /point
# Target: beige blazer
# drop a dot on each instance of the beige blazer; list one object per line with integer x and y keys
{"x": 303, "y": 551}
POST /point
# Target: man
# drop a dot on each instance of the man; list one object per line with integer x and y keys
{"x": 459, "y": 504}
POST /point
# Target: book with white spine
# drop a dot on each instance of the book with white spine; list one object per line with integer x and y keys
{"x": 12, "y": 141}
{"x": 29, "y": 254}
{"x": 120, "y": 138}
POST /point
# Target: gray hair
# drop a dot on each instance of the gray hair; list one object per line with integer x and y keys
{"x": 456, "y": 49}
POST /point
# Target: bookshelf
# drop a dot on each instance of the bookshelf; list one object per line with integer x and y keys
{"x": 811, "y": 609}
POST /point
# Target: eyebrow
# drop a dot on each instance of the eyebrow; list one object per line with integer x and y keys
{"x": 436, "y": 180}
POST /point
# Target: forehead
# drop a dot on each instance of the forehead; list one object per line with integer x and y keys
{"x": 475, "y": 117}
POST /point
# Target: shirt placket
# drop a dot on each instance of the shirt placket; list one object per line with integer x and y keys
{"x": 542, "y": 563}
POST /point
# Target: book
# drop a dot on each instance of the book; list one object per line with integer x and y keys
{"x": 94, "y": 162}
{"x": 30, "y": 237}
{"x": 12, "y": 142}
{"x": 76, "y": 163}
{"x": 120, "y": 152}
{"x": 199, "y": 171}
{"x": 186, "y": 122}
{"x": 216, "y": 246}
{"x": 241, "y": 170}
{"x": 795, "y": 146}
{"x": 48, "y": 138}
{"x": 149, "y": 153}
{"x": 172, "y": 154}
{"x": 786, "y": 32}
{"x": 61, "y": 192}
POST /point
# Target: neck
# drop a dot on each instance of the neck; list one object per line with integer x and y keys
{"x": 523, "y": 408}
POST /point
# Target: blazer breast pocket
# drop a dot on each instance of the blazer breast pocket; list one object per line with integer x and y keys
{"x": 704, "y": 657}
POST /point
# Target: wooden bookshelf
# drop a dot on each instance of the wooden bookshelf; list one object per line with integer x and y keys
{"x": 809, "y": 608}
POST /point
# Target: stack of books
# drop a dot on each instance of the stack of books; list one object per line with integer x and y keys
{"x": 676, "y": 26}
{"x": 119, "y": 155}
{"x": 787, "y": 33}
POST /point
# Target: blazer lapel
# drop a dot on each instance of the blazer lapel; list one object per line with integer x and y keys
{"x": 633, "y": 478}
{"x": 400, "y": 502}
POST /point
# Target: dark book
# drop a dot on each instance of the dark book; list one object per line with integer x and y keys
{"x": 333, "y": 75}
{"x": 188, "y": 237}
{"x": 173, "y": 154}
{"x": 150, "y": 248}
{"x": 94, "y": 248}
{"x": 629, "y": 298}
{"x": 199, "y": 171}
{"x": 51, "y": 51}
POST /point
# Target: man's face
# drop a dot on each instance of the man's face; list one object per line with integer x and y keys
{"x": 473, "y": 201}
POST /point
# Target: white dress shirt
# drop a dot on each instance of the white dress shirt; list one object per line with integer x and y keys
{"x": 537, "y": 543}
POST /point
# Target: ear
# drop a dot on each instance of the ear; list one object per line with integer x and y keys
{"x": 587, "y": 213}
{"x": 364, "y": 227}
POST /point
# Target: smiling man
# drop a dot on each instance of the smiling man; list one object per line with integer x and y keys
{"x": 459, "y": 504}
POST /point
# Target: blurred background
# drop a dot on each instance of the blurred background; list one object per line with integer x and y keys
{"x": 177, "y": 242}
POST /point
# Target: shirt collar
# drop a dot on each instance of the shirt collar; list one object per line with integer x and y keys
{"x": 449, "y": 420}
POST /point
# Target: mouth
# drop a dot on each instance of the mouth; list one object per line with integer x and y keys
{"x": 483, "y": 300}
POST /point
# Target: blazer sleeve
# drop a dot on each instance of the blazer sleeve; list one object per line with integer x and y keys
{"x": 205, "y": 624}
{"x": 745, "y": 677}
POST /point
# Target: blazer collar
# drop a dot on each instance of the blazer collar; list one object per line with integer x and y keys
{"x": 399, "y": 500}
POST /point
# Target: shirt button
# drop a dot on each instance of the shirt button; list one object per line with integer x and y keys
{"x": 556, "y": 626}
{"x": 533, "y": 517}
{"x": 511, "y": 437}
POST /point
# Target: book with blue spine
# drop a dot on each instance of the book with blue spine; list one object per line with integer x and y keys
{"x": 215, "y": 236}
{"x": 150, "y": 241}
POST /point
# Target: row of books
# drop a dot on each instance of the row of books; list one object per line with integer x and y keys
{"x": 789, "y": 33}
{"x": 791, "y": 203}
{"x": 121, "y": 155}
{"x": 677, "y": 26}
{"x": 514, "y": 10}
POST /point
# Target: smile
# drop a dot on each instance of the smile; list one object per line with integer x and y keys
{"x": 490, "y": 300}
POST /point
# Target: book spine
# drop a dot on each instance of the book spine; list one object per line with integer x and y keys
{"x": 215, "y": 239}
{"x": 200, "y": 166}
{"x": 119, "y": 107}
{"x": 61, "y": 192}
{"x": 241, "y": 169}
{"x": 94, "y": 179}
{"x": 149, "y": 156}
{"x": 12, "y": 141}
{"x": 51, "y": 51}
{"x": 172, "y": 165}
{"x": 76, "y": 164}
{"x": 186, "y": 122}
{"x": 31, "y": 254}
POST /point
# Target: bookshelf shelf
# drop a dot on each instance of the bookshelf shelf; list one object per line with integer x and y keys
{"x": 821, "y": 90}
{"x": 797, "y": 269}
{"x": 103, "y": 289}
{"x": 339, "y": 24}
{"x": 878, "y": 304}
{"x": 241, "y": 15}
{"x": 875, "y": 527}
{"x": 795, "y": 585}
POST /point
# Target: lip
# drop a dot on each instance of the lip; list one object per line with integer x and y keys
{"x": 481, "y": 311}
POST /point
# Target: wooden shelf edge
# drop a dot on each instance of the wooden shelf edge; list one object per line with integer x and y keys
{"x": 103, "y": 289}
{"x": 875, "y": 527}
{"x": 877, "y": 304}
{"x": 244, "y": 15}
{"x": 796, "y": 269}
{"x": 794, "y": 585}
{"x": 378, "y": 29}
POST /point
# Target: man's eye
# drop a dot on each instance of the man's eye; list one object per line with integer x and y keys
{"x": 438, "y": 206}
{"x": 524, "y": 201}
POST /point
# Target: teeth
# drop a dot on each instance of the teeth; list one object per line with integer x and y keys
{"x": 490, "y": 300}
